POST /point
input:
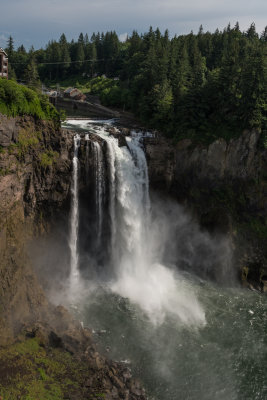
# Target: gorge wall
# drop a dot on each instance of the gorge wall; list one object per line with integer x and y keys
{"x": 34, "y": 185}
{"x": 224, "y": 186}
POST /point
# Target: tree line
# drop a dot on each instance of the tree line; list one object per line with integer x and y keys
{"x": 202, "y": 86}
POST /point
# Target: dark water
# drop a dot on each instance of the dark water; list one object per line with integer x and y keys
{"x": 225, "y": 359}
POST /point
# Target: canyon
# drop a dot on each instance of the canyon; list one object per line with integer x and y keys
{"x": 222, "y": 186}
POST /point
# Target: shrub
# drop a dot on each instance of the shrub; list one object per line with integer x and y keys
{"x": 48, "y": 157}
{"x": 27, "y": 138}
{"x": 17, "y": 99}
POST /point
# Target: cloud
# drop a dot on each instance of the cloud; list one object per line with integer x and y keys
{"x": 38, "y": 21}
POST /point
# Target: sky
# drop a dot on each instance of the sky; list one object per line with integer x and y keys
{"x": 35, "y": 22}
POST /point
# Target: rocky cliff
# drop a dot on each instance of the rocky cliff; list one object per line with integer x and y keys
{"x": 224, "y": 185}
{"x": 34, "y": 183}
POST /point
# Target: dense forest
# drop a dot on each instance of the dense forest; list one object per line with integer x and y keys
{"x": 202, "y": 86}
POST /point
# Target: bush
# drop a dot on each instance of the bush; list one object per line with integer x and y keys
{"x": 48, "y": 158}
{"x": 16, "y": 100}
{"x": 99, "y": 84}
{"x": 27, "y": 139}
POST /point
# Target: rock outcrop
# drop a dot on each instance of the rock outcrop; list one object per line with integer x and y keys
{"x": 224, "y": 185}
{"x": 34, "y": 183}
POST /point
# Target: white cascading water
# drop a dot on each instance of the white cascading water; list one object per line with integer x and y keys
{"x": 74, "y": 222}
{"x": 112, "y": 189}
{"x": 99, "y": 187}
{"x": 87, "y": 155}
{"x": 139, "y": 274}
{"x": 134, "y": 144}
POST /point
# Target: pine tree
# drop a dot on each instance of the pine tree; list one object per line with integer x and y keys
{"x": 264, "y": 34}
{"x": 251, "y": 32}
{"x": 31, "y": 76}
{"x": 64, "y": 55}
{"x": 79, "y": 57}
{"x": 93, "y": 59}
{"x": 10, "y": 47}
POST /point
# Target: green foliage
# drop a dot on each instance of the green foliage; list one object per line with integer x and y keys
{"x": 48, "y": 157}
{"x": 27, "y": 139}
{"x": 32, "y": 371}
{"x": 31, "y": 75}
{"x": 63, "y": 115}
{"x": 4, "y": 171}
{"x": 99, "y": 84}
{"x": 17, "y": 99}
{"x": 201, "y": 86}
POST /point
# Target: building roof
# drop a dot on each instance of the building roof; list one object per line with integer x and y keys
{"x": 3, "y": 51}
{"x": 68, "y": 90}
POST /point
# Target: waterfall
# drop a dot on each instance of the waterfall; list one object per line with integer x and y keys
{"x": 99, "y": 187}
{"x": 112, "y": 189}
{"x": 139, "y": 273}
{"x": 99, "y": 180}
{"x": 74, "y": 221}
{"x": 135, "y": 269}
{"x": 135, "y": 146}
{"x": 141, "y": 285}
{"x": 87, "y": 155}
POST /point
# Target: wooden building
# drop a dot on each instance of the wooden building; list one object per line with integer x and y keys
{"x": 3, "y": 64}
{"x": 74, "y": 94}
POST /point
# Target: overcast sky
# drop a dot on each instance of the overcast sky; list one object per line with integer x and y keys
{"x": 35, "y": 22}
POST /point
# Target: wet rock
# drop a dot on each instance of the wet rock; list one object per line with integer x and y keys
{"x": 264, "y": 286}
{"x": 114, "y": 393}
{"x": 127, "y": 374}
{"x": 117, "y": 382}
{"x": 100, "y": 363}
{"x": 120, "y": 135}
{"x": 55, "y": 340}
{"x": 89, "y": 382}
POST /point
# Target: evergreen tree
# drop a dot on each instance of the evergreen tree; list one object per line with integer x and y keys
{"x": 79, "y": 57}
{"x": 10, "y": 47}
{"x": 64, "y": 55}
{"x": 31, "y": 76}
{"x": 199, "y": 86}
{"x": 264, "y": 34}
{"x": 251, "y": 32}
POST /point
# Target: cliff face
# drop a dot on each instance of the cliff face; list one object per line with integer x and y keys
{"x": 224, "y": 185}
{"x": 34, "y": 183}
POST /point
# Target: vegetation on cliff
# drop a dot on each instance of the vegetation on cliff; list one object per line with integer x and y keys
{"x": 17, "y": 99}
{"x": 33, "y": 371}
{"x": 202, "y": 86}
